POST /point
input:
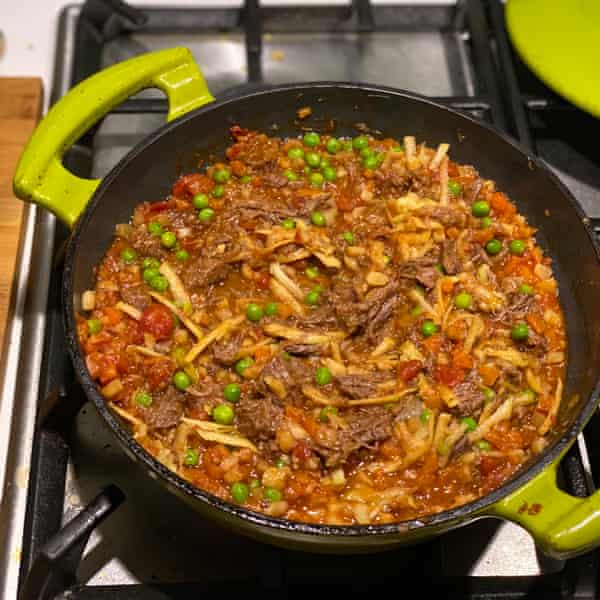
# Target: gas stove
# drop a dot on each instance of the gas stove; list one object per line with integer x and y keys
{"x": 152, "y": 545}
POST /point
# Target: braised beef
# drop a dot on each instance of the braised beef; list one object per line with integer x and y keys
{"x": 258, "y": 417}
{"x": 303, "y": 349}
{"x": 357, "y": 386}
{"x": 470, "y": 399}
{"x": 450, "y": 259}
{"x": 166, "y": 409}
{"x": 413, "y": 268}
{"x": 364, "y": 428}
{"x": 136, "y": 295}
{"x": 428, "y": 276}
{"x": 381, "y": 302}
{"x": 448, "y": 216}
{"x": 205, "y": 271}
{"x": 225, "y": 350}
{"x": 519, "y": 306}
{"x": 146, "y": 244}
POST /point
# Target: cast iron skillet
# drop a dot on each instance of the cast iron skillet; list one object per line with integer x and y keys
{"x": 561, "y": 524}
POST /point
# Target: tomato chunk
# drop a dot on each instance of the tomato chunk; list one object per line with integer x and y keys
{"x": 157, "y": 321}
{"x": 409, "y": 369}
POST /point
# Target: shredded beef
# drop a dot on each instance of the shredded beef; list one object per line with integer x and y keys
{"x": 205, "y": 271}
{"x": 135, "y": 295}
{"x": 446, "y": 215}
{"x": 428, "y": 276}
{"x": 357, "y": 386}
{"x": 225, "y": 351}
{"x": 450, "y": 259}
{"x": 413, "y": 268}
{"x": 165, "y": 410}
{"x": 303, "y": 349}
{"x": 519, "y": 306}
{"x": 470, "y": 399}
{"x": 258, "y": 417}
{"x": 365, "y": 427}
{"x": 145, "y": 243}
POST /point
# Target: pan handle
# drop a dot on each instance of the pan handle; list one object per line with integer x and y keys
{"x": 562, "y": 525}
{"x": 41, "y": 177}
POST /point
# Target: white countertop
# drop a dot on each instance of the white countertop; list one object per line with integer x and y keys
{"x": 28, "y": 29}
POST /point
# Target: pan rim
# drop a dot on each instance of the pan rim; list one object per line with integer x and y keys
{"x": 468, "y": 511}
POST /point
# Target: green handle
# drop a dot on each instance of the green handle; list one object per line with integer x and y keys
{"x": 562, "y": 525}
{"x": 41, "y": 177}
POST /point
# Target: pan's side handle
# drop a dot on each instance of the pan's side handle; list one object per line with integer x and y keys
{"x": 562, "y": 525}
{"x": 41, "y": 177}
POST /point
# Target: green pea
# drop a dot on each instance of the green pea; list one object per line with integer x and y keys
{"x": 425, "y": 415}
{"x": 206, "y": 214}
{"x": 311, "y": 139}
{"x": 313, "y": 159}
{"x": 530, "y": 396}
{"x": 347, "y": 145}
{"x": 517, "y": 247}
{"x": 454, "y": 187}
{"x": 323, "y": 376}
{"x": 318, "y": 219}
{"x": 191, "y": 457}
{"x": 159, "y": 283}
{"x": 330, "y": 174}
{"x": 493, "y": 247}
{"x": 519, "y": 332}
{"x": 525, "y": 288}
{"x": 316, "y": 179}
{"x": 150, "y": 263}
{"x": 128, "y": 255}
{"x": 324, "y": 162}
{"x": 484, "y": 445}
{"x": 143, "y": 399}
{"x": 312, "y": 298}
{"x": 94, "y": 326}
{"x": 370, "y": 163}
{"x": 485, "y": 222}
{"x": 463, "y": 300}
{"x": 366, "y": 152}
{"x": 254, "y": 312}
{"x": 288, "y": 224}
{"x": 150, "y": 273}
{"x": 312, "y": 272}
{"x": 168, "y": 239}
{"x": 333, "y": 145}
{"x": 296, "y": 153}
{"x": 181, "y": 380}
{"x": 240, "y": 492}
{"x": 428, "y": 328}
{"x": 470, "y": 422}
{"x": 182, "y": 255}
{"x": 348, "y": 237}
{"x": 245, "y": 179}
{"x": 155, "y": 228}
{"x": 242, "y": 364}
{"x": 416, "y": 311}
{"x": 488, "y": 395}
{"x": 325, "y": 412}
{"x": 232, "y": 392}
{"x": 223, "y": 414}
{"x": 200, "y": 201}
{"x": 480, "y": 209}
{"x": 221, "y": 175}
{"x": 218, "y": 191}
{"x": 290, "y": 175}
{"x": 271, "y": 309}
{"x": 272, "y": 495}
{"x": 360, "y": 142}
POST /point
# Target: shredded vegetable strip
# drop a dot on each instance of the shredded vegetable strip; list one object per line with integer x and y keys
{"x": 217, "y": 333}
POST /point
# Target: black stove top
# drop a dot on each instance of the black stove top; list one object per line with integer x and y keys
{"x": 153, "y": 546}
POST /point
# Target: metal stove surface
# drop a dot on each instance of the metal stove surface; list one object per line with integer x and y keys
{"x": 130, "y": 546}
{"x": 153, "y": 536}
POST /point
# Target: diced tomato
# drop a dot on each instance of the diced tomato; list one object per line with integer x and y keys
{"x": 489, "y": 374}
{"x": 112, "y": 316}
{"x": 409, "y": 369}
{"x": 462, "y": 359}
{"x": 505, "y": 438}
{"x": 502, "y": 205}
{"x": 158, "y": 373}
{"x": 432, "y": 344}
{"x": 238, "y": 132}
{"x": 159, "y": 206}
{"x": 449, "y": 375}
{"x": 238, "y": 168}
{"x": 452, "y": 169}
{"x": 263, "y": 280}
{"x": 301, "y": 451}
{"x": 190, "y": 185}
{"x": 158, "y": 321}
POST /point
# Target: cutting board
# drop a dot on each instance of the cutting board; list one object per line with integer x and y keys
{"x": 20, "y": 109}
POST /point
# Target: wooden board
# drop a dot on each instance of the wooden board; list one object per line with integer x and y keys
{"x": 20, "y": 109}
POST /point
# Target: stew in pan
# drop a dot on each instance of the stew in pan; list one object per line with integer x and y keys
{"x": 330, "y": 330}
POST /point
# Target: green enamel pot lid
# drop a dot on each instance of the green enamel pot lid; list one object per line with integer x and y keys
{"x": 560, "y": 42}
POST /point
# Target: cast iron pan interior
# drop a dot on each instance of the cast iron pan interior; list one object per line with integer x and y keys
{"x": 148, "y": 171}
